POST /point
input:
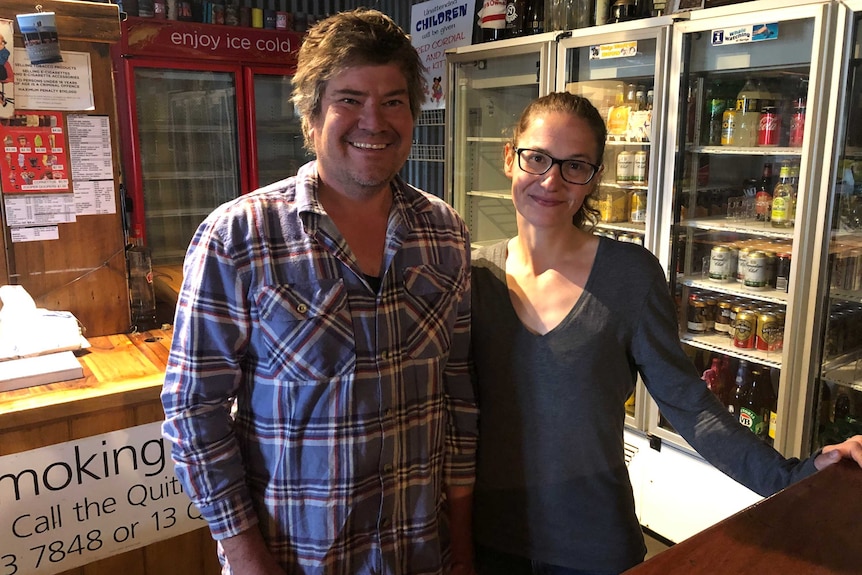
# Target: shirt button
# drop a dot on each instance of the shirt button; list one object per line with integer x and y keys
{"x": 387, "y": 468}
{"x": 388, "y": 412}
{"x": 384, "y": 355}
{"x": 302, "y": 308}
{"x": 385, "y": 522}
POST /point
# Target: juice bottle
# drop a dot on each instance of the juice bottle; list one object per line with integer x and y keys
{"x": 747, "y": 115}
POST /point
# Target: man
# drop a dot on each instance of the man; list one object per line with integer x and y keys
{"x": 331, "y": 310}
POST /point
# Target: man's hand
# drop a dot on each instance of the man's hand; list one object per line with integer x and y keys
{"x": 247, "y": 554}
{"x": 851, "y": 449}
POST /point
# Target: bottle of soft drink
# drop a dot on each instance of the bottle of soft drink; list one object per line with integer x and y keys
{"x": 747, "y": 114}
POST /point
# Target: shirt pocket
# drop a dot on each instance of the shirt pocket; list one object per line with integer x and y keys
{"x": 308, "y": 330}
{"x": 431, "y": 297}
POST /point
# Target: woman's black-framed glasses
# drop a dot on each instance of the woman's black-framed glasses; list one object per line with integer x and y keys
{"x": 538, "y": 163}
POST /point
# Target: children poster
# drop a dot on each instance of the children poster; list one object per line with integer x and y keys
{"x": 437, "y": 26}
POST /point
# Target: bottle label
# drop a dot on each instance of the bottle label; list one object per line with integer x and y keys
{"x": 493, "y": 14}
{"x": 751, "y": 419}
{"x": 779, "y": 208}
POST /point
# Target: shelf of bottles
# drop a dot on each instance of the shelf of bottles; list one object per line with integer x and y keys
{"x": 839, "y": 412}
{"x": 621, "y": 199}
{"x": 734, "y": 216}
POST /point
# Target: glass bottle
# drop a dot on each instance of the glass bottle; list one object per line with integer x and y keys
{"x": 747, "y": 115}
{"x": 755, "y": 408}
{"x": 534, "y": 16}
{"x": 783, "y": 210}
{"x": 763, "y": 196}
{"x": 515, "y": 23}
{"x": 740, "y": 389}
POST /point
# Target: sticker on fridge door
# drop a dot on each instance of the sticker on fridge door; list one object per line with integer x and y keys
{"x": 745, "y": 34}
{"x": 615, "y": 50}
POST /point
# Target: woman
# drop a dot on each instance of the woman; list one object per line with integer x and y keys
{"x": 563, "y": 321}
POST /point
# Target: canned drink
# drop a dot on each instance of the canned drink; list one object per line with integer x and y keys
{"x": 639, "y": 173}
{"x": 625, "y": 167}
{"x": 756, "y": 269}
{"x": 744, "y": 329}
{"x": 637, "y": 207}
{"x": 697, "y": 319}
{"x": 771, "y": 267}
{"x": 770, "y": 333}
{"x": 711, "y": 313}
{"x": 637, "y": 239}
{"x": 728, "y": 127}
{"x": 720, "y": 262}
{"x": 769, "y": 131}
{"x": 741, "y": 259}
{"x": 723, "y": 323}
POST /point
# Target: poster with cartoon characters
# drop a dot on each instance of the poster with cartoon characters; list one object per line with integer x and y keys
{"x": 437, "y": 26}
{"x": 34, "y": 153}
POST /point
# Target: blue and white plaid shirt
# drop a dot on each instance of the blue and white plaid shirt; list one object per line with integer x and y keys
{"x": 354, "y": 408}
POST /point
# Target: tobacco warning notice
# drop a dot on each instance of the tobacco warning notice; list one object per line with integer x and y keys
{"x": 70, "y": 504}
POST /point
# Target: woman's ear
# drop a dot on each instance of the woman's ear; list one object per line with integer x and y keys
{"x": 509, "y": 160}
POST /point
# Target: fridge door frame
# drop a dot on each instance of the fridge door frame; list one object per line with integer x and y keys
{"x": 455, "y": 134}
{"x": 249, "y": 72}
{"x": 845, "y": 34}
{"x": 659, "y": 29}
{"x": 796, "y": 360}
{"x": 132, "y": 172}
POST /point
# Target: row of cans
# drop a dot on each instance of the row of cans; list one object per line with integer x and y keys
{"x": 755, "y": 267}
{"x": 749, "y": 325}
{"x": 620, "y": 236}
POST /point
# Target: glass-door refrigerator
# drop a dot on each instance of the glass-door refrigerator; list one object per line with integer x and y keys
{"x": 622, "y": 69}
{"x": 750, "y": 93}
{"x": 205, "y": 116}
{"x": 489, "y": 85}
{"x": 835, "y": 403}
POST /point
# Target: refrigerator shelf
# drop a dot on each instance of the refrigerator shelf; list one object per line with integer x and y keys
{"x": 490, "y": 140}
{"x": 722, "y": 344}
{"x": 622, "y": 141}
{"x": 745, "y": 151}
{"x": 848, "y": 375}
{"x": 749, "y": 227}
{"x": 191, "y": 175}
{"x": 619, "y": 186}
{"x": 622, "y": 227}
{"x": 183, "y": 129}
{"x": 178, "y": 212}
{"x": 501, "y": 195}
{"x": 735, "y": 288}
{"x": 846, "y": 295}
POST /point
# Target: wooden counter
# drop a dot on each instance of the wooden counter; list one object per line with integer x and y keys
{"x": 813, "y": 528}
{"x": 120, "y": 389}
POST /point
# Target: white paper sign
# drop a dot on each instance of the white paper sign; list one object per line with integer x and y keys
{"x": 90, "y": 147}
{"x": 73, "y": 503}
{"x": 34, "y": 234}
{"x": 94, "y": 198}
{"x": 66, "y": 85}
{"x": 39, "y": 209}
{"x": 435, "y": 27}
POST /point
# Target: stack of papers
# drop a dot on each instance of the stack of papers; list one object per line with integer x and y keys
{"x": 39, "y": 370}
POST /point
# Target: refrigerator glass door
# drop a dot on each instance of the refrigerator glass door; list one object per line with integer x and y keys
{"x": 189, "y": 152}
{"x": 278, "y": 133}
{"x": 742, "y": 168}
{"x": 837, "y": 412}
{"x": 488, "y": 91}
{"x": 620, "y": 73}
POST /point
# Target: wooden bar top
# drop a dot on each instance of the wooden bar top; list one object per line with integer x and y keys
{"x": 813, "y": 527}
{"x": 119, "y": 370}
